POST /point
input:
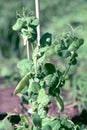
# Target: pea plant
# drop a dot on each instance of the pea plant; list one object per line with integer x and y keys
{"x": 42, "y": 80}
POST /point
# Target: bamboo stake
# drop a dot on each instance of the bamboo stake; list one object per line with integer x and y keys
{"x": 28, "y": 50}
{"x": 26, "y": 43}
{"x": 37, "y": 5}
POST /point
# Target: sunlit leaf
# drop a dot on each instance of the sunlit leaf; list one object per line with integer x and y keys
{"x": 35, "y": 22}
{"x": 55, "y": 124}
{"x": 34, "y": 87}
{"x": 8, "y": 125}
{"x": 43, "y": 98}
{"x": 25, "y": 66}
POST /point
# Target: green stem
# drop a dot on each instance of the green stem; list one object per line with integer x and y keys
{"x": 67, "y": 70}
{"x": 35, "y": 65}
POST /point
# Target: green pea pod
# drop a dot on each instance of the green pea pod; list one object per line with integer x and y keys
{"x": 22, "y": 84}
{"x": 60, "y": 103}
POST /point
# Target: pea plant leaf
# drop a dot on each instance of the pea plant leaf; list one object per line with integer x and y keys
{"x": 35, "y": 22}
{"x": 46, "y": 39}
{"x": 47, "y": 127}
{"x": 55, "y": 124}
{"x": 37, "y": 121}
{"x": 18, "y": 25}
{"x": 25, "y": 66}
{"x": 34, "y": 87}
{"x": 46, "y": 121}
{"x": 48, "y": 68}
{"x": 8, "y": 125}
{"x": 43, "y": 99}
{"x": 66, "y": 122}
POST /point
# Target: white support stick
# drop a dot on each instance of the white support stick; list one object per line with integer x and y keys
{"x": 37, "y": 5}
{"x": 28, "y": 50}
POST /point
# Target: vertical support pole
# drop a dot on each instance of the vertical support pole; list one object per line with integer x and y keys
{"x": 26, "y": 43}
{"x": 28, "y": 50}
{"x": 37, "y": 5}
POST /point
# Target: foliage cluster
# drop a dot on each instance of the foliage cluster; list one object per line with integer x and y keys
{"x": 43, "y": 80}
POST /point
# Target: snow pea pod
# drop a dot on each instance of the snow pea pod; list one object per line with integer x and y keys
{"x": 60, "y": 103}
{"x": 22, "y": 83}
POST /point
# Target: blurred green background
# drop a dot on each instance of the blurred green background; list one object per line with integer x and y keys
{"x": 55, "y": 17}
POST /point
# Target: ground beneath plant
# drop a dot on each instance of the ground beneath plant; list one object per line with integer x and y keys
{"x": 11, "y": 103}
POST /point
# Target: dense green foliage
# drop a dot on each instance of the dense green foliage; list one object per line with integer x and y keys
{"x": 42, "y": 80}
